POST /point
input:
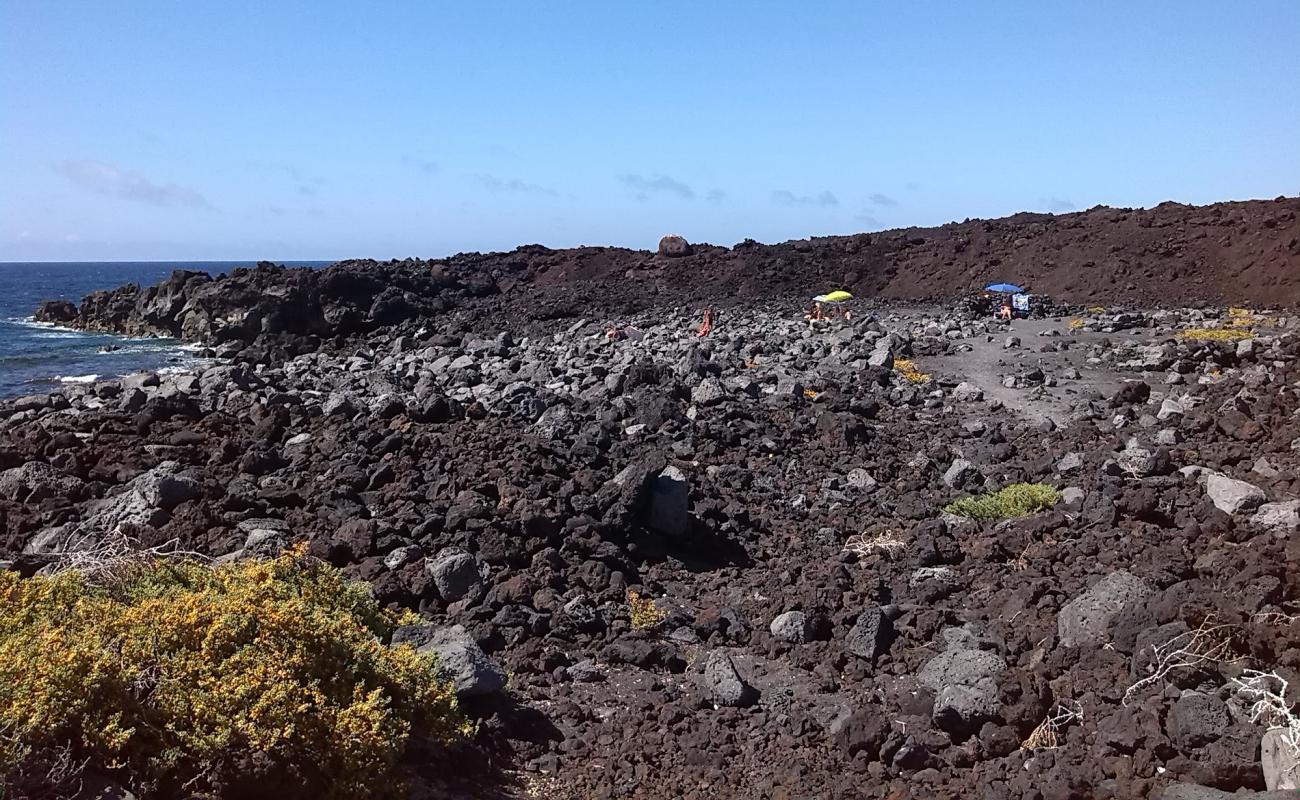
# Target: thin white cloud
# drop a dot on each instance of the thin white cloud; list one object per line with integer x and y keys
{"x": 868, "y": 220}
{"x": 660, "y": 184}
{"x": 1056, "y": 205}
{"x": 308, "y": 185}
{"x": 825, "y": 199}
{"x": 101, "y": 178}
{"x": 420, "y": 164}
{"x": 882, "y": 200}
{"x": 495, "y": 184}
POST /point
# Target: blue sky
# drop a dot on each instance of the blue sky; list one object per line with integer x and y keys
{"x": 211, "y": 130}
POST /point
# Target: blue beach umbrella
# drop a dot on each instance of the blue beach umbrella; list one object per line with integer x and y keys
{"x": 1004, "y": 288}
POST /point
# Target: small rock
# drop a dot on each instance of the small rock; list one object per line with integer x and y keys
{"x": 401, "y": 556}
{"x": 710, "y": 391}
{"x": 1070, "y": 463}
{"x": 871, "y": 635}
{"x": 585, "y": 671}
{"x": 860, "y": 479}
{"x": 792, "y": 626}
{"x": 960, "y": 473}
{"x": 967, "y": 393}
{"x": 1170, "y": 408}
{"x": 340, "y": 405}
{"x": 1230, "y": 495}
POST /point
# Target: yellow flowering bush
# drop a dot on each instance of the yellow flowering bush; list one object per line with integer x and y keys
{"x": 1215, "y": 334}
{"x": 643, "y": 611}
{"x": 906, "y": 368}
{"x": 234, "y": 680}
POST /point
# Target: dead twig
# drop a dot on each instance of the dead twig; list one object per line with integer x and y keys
{"x": 1047, "y": 734}
{"x": 889, "y": 543}
{"x": 102, "y": 561}
{"x": 1208, "y": 644}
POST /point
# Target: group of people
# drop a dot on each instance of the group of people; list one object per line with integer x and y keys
{"x": 825, "y": 307}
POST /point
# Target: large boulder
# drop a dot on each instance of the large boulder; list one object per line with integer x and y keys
{"x": 59, "y": 312}
{"x": 1197, "y": 719}
{"x": 1192, "y": 791}
{"x": 1280, "y": 761}
{"x": 792, "y": 626}
{"x": 670, "y": 503}
{"x": 724, "y": 685}
{"x": 1086, "y": 620}
{"x": 35, "y": 481}
{"x": 166, "y": 487}
{"x": 454, "y": 572}
{"x": 459, "y": 657}
{"x": 1142, "y": 462}
{"x": 964, "y": 682}
{"x": 1278, "y": 516}
{"x": 674, "y": 246}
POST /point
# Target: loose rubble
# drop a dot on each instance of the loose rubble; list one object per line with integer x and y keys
{"x": 513, "y": 471}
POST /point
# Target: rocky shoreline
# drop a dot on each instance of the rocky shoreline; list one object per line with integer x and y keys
{"x": 666, "y": 565}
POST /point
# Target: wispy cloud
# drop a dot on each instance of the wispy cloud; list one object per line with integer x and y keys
{"x": 660, "y": 184}
{"x": 715, "y": 196}
{"x": 307, "y": 185}
{"x": 787, "y": 198}
{"x": 101, "y": 178}
{"x": 882, "y": 200}
{"x": 867, "y": 220}
{"x": 427, "y": 167}
{"x": 495, "y": 184}
{"x": 1056, "y": 205}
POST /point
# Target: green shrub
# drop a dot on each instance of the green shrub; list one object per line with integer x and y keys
{"x": 1016, "y": 500}
{"x": 251, "y": 679}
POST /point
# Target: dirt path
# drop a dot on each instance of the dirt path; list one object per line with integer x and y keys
{"x": 989, "y": 360}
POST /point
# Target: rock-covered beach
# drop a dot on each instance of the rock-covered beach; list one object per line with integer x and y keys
{"x": 660, "y": 564}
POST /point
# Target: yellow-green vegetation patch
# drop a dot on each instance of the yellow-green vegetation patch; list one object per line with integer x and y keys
{"x": 906, "y": 368}
{"x": 181, "y": 678}
{"x": 1016, "y": 500}
{"x": 643, "y": 611}
{"x": 1215, "y": 334}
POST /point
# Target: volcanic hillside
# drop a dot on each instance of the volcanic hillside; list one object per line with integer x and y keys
{"x": 1227, "y": 253}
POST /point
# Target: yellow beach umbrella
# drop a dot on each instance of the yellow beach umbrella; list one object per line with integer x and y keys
{"x": 837, "y": 296}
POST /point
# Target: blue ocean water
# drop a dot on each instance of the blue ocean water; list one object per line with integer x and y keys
{"x": 36, "y": 358}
